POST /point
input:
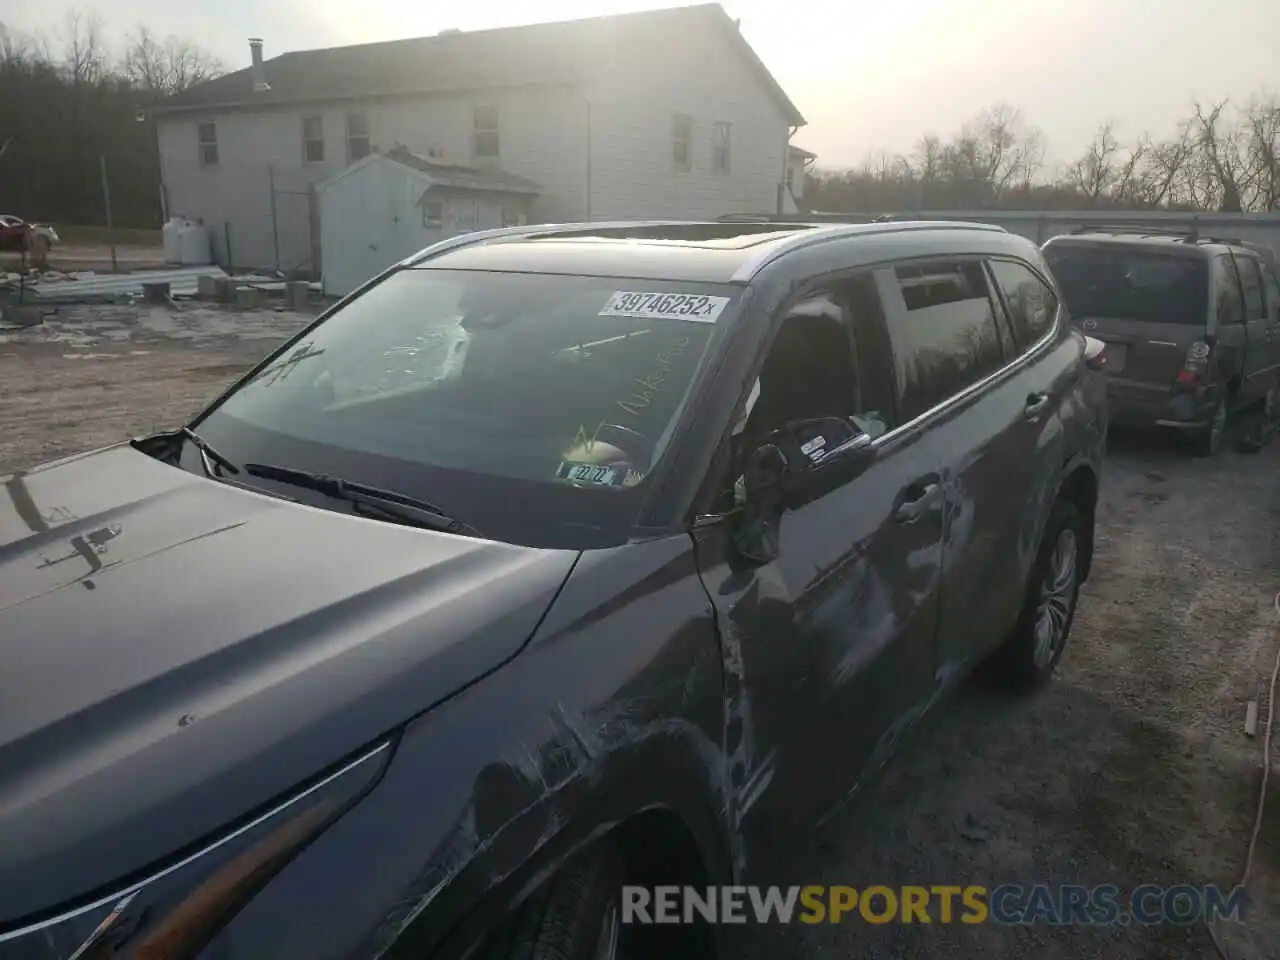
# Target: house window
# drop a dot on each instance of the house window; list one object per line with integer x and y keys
{"x": 208, "y": 138}
{"x": 720, "y": 154}
{"x": 432, "y": 214}
{"x": 484, "y": 136}
{"x": 312, "y": 140}
{"x": 357, "y": 136}
{"x": 682, "y": 142}
{"x": 511, "y": 217}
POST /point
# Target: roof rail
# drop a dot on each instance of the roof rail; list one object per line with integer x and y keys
{"x": 1139, "y": 230}
{"x": 804, "y": 238}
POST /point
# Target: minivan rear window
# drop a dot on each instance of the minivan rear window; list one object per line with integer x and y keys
{"x": 1131, "y": 284}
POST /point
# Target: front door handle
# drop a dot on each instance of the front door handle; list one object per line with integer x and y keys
{"x": 917, "y": 499}
{"x": 1037, "y": 404}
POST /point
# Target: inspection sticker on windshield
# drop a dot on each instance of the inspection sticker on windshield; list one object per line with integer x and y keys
{"x": 592, "y": 473}
{"x": 664, "y": 306}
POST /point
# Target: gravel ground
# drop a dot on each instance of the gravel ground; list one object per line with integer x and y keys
{"x": 1130, "y": 768}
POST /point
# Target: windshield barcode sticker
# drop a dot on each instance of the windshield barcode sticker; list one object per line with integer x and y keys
{"x": 665, "y": 306}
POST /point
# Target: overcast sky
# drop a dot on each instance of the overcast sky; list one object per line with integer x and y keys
{"x": 869, "y": 76}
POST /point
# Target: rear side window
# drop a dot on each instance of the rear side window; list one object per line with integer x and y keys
{"x": 1031, "y": 303}
{"x": 1130, "y": 284}
{"x": 1251, "y": 284}
{"x": 1230, "y": 303}
{"x": 946, "y": 339}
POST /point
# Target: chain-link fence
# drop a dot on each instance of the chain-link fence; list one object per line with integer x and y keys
{"x": 261, "y": 216}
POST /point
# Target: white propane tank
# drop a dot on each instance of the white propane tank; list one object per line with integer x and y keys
{"x": 193, "y": 245}
{"x": 172, "y": 243}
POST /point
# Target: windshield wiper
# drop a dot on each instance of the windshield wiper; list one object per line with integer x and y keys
{"x": 207, "y": 453}
{"x": 386, "y": 504}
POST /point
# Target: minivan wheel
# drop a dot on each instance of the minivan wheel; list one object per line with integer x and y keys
{"x": 1208, "y": 441}
{"x": 576, "y": 916}
{"x": 1031, "y": 653}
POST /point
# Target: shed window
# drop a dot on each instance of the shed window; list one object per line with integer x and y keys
{"x": 357, "y": 136}
{"x": 511, "y": 217}
{"x": 432, "y": 214}
{"x": 682, "y": 142}
{"x": 312, "y": 140}
{"x": 484, "y": 142}
{"x": 208, "y": 144}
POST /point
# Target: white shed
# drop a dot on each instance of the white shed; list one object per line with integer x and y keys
{"x": 388, "y": 206}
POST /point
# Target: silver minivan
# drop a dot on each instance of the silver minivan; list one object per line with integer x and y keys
{"x": 1192, "y": 325}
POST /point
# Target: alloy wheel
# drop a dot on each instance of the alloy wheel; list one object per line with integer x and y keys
{"x": 1057, "y": 594}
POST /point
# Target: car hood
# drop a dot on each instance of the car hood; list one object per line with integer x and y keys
{"x": 176, "y": 652}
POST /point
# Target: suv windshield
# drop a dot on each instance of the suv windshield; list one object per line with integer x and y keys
{"x": 531, "y": 406}
{"x": 1130, "y": 284}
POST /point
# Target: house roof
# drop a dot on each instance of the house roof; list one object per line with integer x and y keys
{"x": 542, "y": 53}
{"x": 800, "y": 152}
{"x": 456, "y": 176}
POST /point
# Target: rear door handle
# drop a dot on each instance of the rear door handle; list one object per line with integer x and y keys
{"x": 915, "y": 500}
{"x": 1037, "y": 404}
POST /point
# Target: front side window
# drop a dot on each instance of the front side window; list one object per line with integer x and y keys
{"x": 484, "y": 136}
{"x": 312, "y": 140}
{"x": 515, "y": 401}
{"x": 1031, "y": 303}
{"x": 682, "y": 142}
{"x": 1251, "y": 283}
{"x": 207, "y": 137}
{"x": 1130, "y": 284}
{"x": 946, "y": 338}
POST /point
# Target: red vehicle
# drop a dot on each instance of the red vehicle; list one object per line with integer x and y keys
{"x": 14, "y": 231}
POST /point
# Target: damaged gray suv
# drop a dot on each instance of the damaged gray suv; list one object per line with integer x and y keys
{"x": 553, "y": 559}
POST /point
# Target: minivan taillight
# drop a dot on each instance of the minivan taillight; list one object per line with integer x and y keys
{"x": 1196, "y": 364}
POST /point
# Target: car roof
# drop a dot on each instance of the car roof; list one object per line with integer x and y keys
{"x": 1174, "y": 244}
{"x": 692, "y": 251}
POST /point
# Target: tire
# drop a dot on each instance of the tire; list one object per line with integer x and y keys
{"x": 1207, "y": 442}
{"x": 576, "y": 916}
{"x": 1028, "y": 657}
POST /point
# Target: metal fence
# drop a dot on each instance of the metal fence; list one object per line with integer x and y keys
{"x": 261, "y": 216}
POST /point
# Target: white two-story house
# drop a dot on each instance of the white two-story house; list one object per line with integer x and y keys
{"x": 665, "y": 113}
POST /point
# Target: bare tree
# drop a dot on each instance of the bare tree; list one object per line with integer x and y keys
{"x": 1223, "y": 172}
{"x": 1094, "y": 173}
{"x": 1262, "y": 151}
{"x": 165, "y": 67}
{"x": 84, "y": 54}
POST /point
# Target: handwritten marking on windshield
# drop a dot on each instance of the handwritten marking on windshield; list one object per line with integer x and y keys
{"x": 651, "y": 385}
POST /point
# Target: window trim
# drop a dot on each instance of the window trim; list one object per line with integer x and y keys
{"x": 677, "y": 119}
{"x": 436, "y": 223}
{"x": 307, "y": 141}
{"x": 1032, "y": 352}
{"x": 368, "y": 140}
{"x": 202, "y": 144}
{"x": 725, "y": 128}
{"x": 995, "y": 285}
{"x": 478, "y": 131}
